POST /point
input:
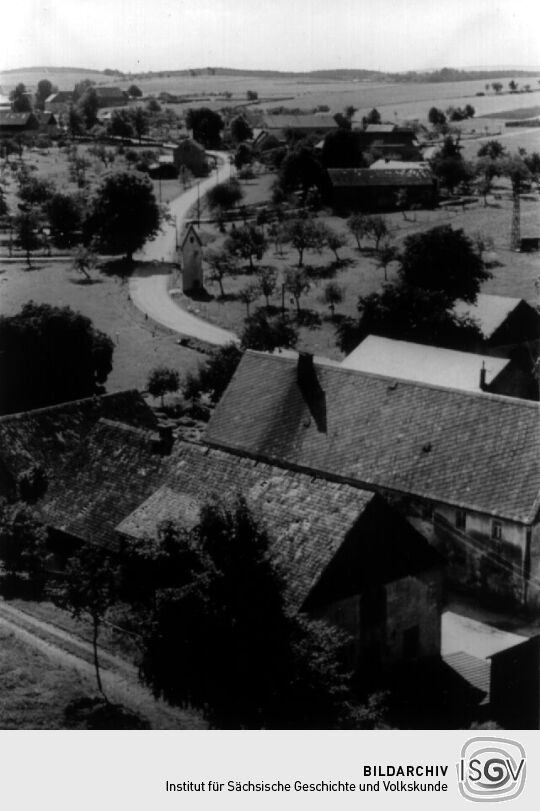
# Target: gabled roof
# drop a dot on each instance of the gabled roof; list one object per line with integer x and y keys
{"x": 415, "y": 175}
{"x": 191, "y": 231}
{"x": 477, "y": 451}
{"x": 60, "y": 97}
{"x": 490, "y": 312}
{"x": 424, "y": 364}
{"x": 109, "y": 92}
{"x": 375, "y": 128}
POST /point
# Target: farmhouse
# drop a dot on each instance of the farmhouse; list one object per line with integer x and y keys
{"x": 12, "y": 124}
{"x": 59, "y": 102}
{"x": 108, "y": 473}
{"x": 279, "y": 125}
{"x": 507, "y": 324}
{"x": 378, "y": 187}
{"x": 463, "y": 467}
{"x": 111, "y": 97}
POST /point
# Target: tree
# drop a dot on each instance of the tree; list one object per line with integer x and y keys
{"x": 497, "y": 86}
{"x": 516, "y": 169}
{"x": 267, "y": 278}
{"x": 266, "y": 333}
{"x": 333, "y": 294}
{"x": 341, "y": 150}
{"x": 88, "y": 587}
{"x": 357, "y": 225}
{"x": 443, "y": 260}
{"x": 532, "y": 162}
{"x": 276, "y": 669}
{"x": 335, "y": 240}
{"x": 491, "y": 149}
{"x": 408, "y": 313}
{"x": 221, "y": 263}
{"x": 247, "y": 242}
{"x": 373, "y": 117}
{"x": 50, "y": 355}
{"x": 36, "y": 190}
{"x": 153, "y": 106}
{"x": 387, "y": 254}
{"x": 206, "y": 126}
{"x": 75, "y": 121}
{"x": 88, "y": 105}
{"x": 4, "y": 208}
{"x": 84, "y": 260}
{"x": 247, "y": 295}
{"x": 243, "y": 156}
{"x": 121, "y": 124}
{"x": 64, "y": 212}
{"x": 376, "y": 228}
{"x": 162, "y": 380}
{"x": 26, "y": 226}
{"x": 304, "y": 234}
{"x": 78, "y": 167}
{"x": 513, "y": 86}
{"x": 123, "y": 213}
{"x": 301, "y": 168}
{"x": 214, "y": 376}
{"x": 240, "y": 129}
{"x": 252, "y": 95}
{"x": 297, "y": 282}
{"x": 22, "y": 540}
{"x": 20, "y": 99}
{"x": 134, "y": 91}
{"x": 448, "y": 165}
{"x": 81, "y": 87}
{"x": 44, "y": 89}
{"x": 139, "y": 118}
{"x": 225, "y": 195}
{"x": 469, "y": 111}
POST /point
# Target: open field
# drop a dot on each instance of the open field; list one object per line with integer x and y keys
{"x": 359, "y": 275}
{"x": 140, "y": 345}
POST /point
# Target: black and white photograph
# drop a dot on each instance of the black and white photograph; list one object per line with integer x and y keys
{"x": 269, "y": 366}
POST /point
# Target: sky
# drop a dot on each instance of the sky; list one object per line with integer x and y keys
{"x": 388, "y": 35}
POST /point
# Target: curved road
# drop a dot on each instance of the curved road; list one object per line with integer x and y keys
{"x": 149, "y": 286}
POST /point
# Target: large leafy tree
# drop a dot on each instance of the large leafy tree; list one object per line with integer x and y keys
{"x": 240, "y": 129}
{"x": 247, "y": 242}
{"x": 65, "y": 214}
{"x": 302, "y": 169}
{"x": 123, "y": 213}
{"x": 20, "y": 99}
{"x": 206, "y": 126}
{"x": 266, "y": 333}
{"x": 304, "y": 233}
{"x": 443, "y": 260}
{"x": 225, "y": 641}
{"x": 213, "y": 377}
{"x": 50, "y": 355}
{"x": 44, "y": 89}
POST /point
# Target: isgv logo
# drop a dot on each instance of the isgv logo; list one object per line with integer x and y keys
{"x": 491, "y": 769}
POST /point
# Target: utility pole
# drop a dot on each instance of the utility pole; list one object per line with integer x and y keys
{"x": 515, "y": 234}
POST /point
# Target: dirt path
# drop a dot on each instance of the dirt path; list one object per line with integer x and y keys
{"x": 149, "y": 286}
{"x": 119, "y": 677}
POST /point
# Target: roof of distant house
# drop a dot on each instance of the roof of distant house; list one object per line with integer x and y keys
{"x": 388, "y": 163}
{"x": 415, "y": 175}
{"x": 476, "y": 451}
{"x": 374, "y": 128}
{"x": 488, "y": 311}
{"x": 9, "y": 118}
{"x": 314, "y": 122}
{"x": 424, "y": 364}
{"x": 60, "y": 97}
{"x": 109, "y": 92}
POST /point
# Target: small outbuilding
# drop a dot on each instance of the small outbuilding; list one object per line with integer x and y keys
{"x": 192, "y": 271}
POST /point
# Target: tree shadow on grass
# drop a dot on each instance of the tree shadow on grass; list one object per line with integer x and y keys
{"x": 308, "y": 318}
{"x": 119, "y": 268}
{"x": 96, "y": 713}
{"x": 84, "y": 282}
{"x": 200, "y": 295}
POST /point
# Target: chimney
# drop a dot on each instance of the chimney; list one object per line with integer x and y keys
{"x": 483, "y": 384}
{"x": 311, "y": 389}
{"x": 164, "y": 444}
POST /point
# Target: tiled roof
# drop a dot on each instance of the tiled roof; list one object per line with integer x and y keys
{"x": 109, "y": 92}
{"x": 417, "y": 175}
{"x": 8, "y": 118}
{"x": 47, "y": 436}
{"x": 477, "y": 451}
{"x": 475, "y": 671}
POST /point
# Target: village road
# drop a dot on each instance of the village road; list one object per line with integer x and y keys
{"x": 149, "y": 284}
{"x": 120, "y": 680}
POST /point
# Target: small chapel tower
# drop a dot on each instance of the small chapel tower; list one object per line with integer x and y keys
{"x": 192, "y": 272}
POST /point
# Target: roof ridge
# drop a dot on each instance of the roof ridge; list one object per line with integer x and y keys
{"x": 66, "y": 405}
{"x": 484, "y": 395}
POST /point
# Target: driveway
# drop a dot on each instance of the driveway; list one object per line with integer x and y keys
{"x": 149, "y": 285}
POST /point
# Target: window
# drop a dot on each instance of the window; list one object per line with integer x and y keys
{"x": 496, "y": 530}
{"x": 461, "y": 519}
